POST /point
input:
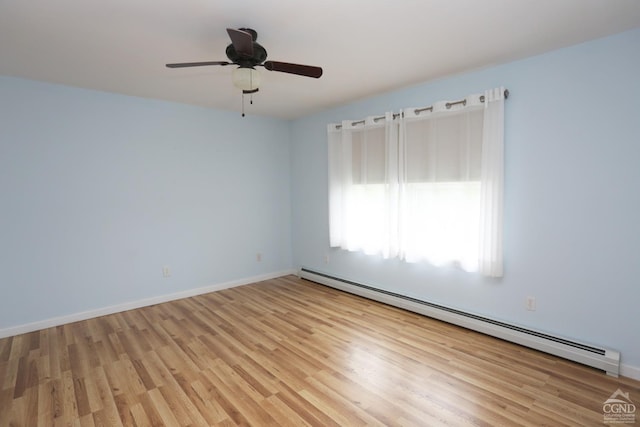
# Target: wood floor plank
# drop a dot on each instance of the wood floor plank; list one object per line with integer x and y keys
{"x": 159, "y": 373}
{"x": 69, "y": 401}
{"x": 169, "y": 416}
{"x": 341, "y": 410}
{"x": 46, "y": 396}
{"x": 151, "y": 413}
{"x": 283, "y": 415}
{"x": 217, "y": 391}
{"x": 180, "y": 403}
{"x": 138, "y": 416}
{"x": 125, "y": 411}
{"x": 311, "y": 414}
{"x": 205, "y": 401}
{"x": 109, "y": 412}
{"x": 287, "y": 352}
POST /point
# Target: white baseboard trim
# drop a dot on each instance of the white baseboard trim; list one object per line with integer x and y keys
{"x": 90, "y": 314}
{"x": 630, "y": 371}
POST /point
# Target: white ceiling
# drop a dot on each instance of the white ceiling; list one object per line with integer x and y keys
{"x": 365, "y": 47}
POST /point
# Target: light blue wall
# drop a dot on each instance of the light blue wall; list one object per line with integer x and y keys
{"x": 99, "y": 191}
{"x": 572, "y": 202}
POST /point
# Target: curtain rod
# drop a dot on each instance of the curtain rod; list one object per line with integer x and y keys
{"x": 420, "y": 110}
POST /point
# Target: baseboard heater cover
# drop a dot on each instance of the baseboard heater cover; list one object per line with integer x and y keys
{"x": 601, "y": 358}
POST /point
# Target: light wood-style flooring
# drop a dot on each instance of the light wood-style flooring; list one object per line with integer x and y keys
{"x": 287, "y": 352}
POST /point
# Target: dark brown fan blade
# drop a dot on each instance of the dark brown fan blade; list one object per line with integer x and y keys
{"x": 301, "y": 70}
{"x": 242, "y": 41}
{"x": 197, "y": 64}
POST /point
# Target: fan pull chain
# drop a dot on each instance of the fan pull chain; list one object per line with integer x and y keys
{"x": 251, "y": 83}
{"x": 250, "y": 101}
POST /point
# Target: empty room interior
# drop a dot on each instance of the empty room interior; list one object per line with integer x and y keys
{"x": 218, "y": 213}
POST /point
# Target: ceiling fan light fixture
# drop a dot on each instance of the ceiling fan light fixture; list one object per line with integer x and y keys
{"x": 245, "y": 78}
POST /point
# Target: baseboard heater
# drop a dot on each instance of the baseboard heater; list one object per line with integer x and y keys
{"x": 600, "y": 358}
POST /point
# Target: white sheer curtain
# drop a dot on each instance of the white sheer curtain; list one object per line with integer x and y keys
{"x": 426, "y": 186}
{"x": 492, "y": 185}
{"x": 440, "y": 183}
{"x": 363, "y": 186}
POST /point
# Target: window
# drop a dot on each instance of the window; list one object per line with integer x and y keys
{"x": 422, "y": 186}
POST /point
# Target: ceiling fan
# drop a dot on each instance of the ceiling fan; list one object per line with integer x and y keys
{"x": 245, "y": 52}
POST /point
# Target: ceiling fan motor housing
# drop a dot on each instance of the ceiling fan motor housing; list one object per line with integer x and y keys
{"x": 243, "y": 59}
{"x": 259, "y": 56}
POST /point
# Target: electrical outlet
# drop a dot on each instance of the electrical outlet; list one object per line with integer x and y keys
{"x": 259, "y": 257}
{"x": 531, "y": 303}
{"x": 166, "y": 271}
{"x": 326, "y": 258}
